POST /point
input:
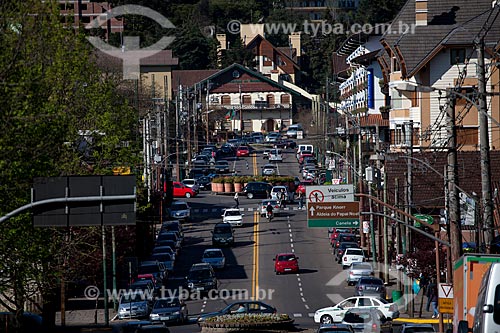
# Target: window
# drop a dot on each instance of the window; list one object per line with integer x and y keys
{"x": 226, "y": 100}
{"x": 496, "y": 305}
{"x": 395, "y": 65}
{"x": 285, "y": 99}
{"x": 457, "y": 56}
{"x": 270, "y": 99}
{"x": 247, "y": 99}
{"x": 267, "y": 61}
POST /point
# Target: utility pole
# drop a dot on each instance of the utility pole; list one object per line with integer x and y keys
{"x": 453, "y": 196}
{"x": 386, "y": 237}
{"x": 177, "y": 171}
{"x": 484, "y": 143}
{"x": 409, "y": 182}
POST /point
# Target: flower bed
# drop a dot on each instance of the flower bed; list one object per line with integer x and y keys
{"x": 249, "y": 321}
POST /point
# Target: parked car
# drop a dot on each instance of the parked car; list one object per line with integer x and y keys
{"x": 201, "y": 278}
{"x": 339, "y": 252}
{"x": 255, "y": 307}
{"x": 223, "y": 234}
{"x": 169, "y": 236}
{"x": 214, "y": 257}
{"x": 192, "y": 184}
{"x": 336, "y": 313}
{"x": 273, "y": 137}
{"x": 334, "y": 233}
{"x": 169, "y": 310}
{"x": 370, "y": 286}
{"x": 417, "y": 328}
{"x": 276, "y": 155}
{"x": 258, "y": 137}
{"x": 268, "y": 170}
{"x": 367, "y": 321}
{"x": 156, "y": 268}
{"x": 242, "y": 151}
{"x": 286, "y": 263}
{"x": 221, "y": 166}
{"x": 205, "y": 183}
{"x": 182, "y": 191}
{"x": 166, "y": 259}
{"x": 293, "y": 129}
{"x": 233, "y": 216}
{"x": 265, "y": 153}
{"x": 257, "y": 189}
{"x": 352, "y": 255}
{"x": 274, "y": 203}
{"x": 180, "y": 210}
{"x": 344, "y": 237}
{"x": 335, "y": 328}
{"x": 165, "y": 249}
{"x": 137, "y": 301}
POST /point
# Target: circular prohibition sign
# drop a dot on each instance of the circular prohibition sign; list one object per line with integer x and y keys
{"x": 316, "y": 196}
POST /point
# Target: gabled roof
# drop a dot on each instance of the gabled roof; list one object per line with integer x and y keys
{"x": 445, "y": 18}
{"x": 189, "y": 77}
{"x": 249, "y": 72}
{"x": 259, "y": 38}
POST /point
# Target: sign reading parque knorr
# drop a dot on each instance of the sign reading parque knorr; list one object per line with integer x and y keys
{"x": 333, "y": 214}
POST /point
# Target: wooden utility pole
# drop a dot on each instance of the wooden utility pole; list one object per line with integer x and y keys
{"x": 453, "y": 196}
{"x": 484, "y": 143}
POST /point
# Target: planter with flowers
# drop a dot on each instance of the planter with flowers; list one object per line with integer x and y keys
{"x": 247, "y": 322}
{"x": 217, "y": 185}
{"x": 238, "y": 184}
{"x": 228, "y": 184}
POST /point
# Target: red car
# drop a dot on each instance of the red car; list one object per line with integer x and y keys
{"x": 182, "y": 191}
{"x": 242, "y": 151}
{"x": 286, "y": 263}
{"x": 302, "y": 156}
{"x": 302, "y": 186}
{"x": 336, "y": 233}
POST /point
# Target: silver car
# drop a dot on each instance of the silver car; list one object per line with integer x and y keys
{"x": 369, "y": 285}
{"x": 214, "y": 257}
{"x": 180, "y": 210}
{"x": 268, "y": 170}
{"x": 274, "y": 203}
{"x": 357, "y": 271}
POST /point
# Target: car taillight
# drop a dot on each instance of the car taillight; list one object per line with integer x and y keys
{"x": 345, "y": 258}
{"x": 360, "y": 288}
{"x": 374, "y": 326}
{"x": 351, "y": 273}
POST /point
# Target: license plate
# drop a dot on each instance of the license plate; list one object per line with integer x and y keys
{"x": 165, "y": 318}
{"x": 371, "y": 288}
{"x": 287, "y": 269}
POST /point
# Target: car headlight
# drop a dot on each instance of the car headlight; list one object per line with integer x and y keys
{"x": 154, "y": 315}
{"x": 190, "y": 285}
{"x": 176, "y": 312}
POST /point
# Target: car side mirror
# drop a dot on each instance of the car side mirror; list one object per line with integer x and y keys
{"x": 274, "y": 259}
{"x": 297, "y": 258}
{"x": 488, "y": 308}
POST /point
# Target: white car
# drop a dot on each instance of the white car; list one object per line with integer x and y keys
{"x": 289, "y": 196}
{"x": 292, "y": 130}
{"x": 352, "y": 255}
{"x": 274, "y": 203}
{"x": 233, "y": 216}
{"x": 336, "y": 313}
{"x": 275, "y": 155}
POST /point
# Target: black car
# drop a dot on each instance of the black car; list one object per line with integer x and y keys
{"x": 169, "y": 310}
{"x": 335, "y": 328}
{"x": 223, "y": 234}
{"x": 221, "y": 166}
{"x": 339, "y": 252}
{"x": 201, "y": 278}
{"x": 241, "y": 307}
{"x": 257, "y": 189}
{"x": 205, "y": 183}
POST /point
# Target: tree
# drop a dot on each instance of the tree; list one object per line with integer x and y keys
{"x": 378, "y": 11}
{"x": 193, "y": 49}
{"x": 51, "y": 91}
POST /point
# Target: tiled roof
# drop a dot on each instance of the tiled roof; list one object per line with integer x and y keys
{"x": 162, "y": 58}
{"x": 190, "y": 77}
{"x": 372, "y": 120}
{"x": 463, "y": 17}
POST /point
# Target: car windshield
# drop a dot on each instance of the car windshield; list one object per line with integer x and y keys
{"x": 233, "y": 213}
{"x": 286, "y": 257}
{"x": 222, "y": 230}
{"x": 167, "y": 303}
{"x": 200, "y": 274}
{"x": 179, "y": 207}
{"x": 148, "y": 269}
{"x": 162, "y": 257}
{"x": 372, "y": 281}
{"x": 212, "y": 254}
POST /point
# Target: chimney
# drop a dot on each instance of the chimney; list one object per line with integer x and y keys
{"x": 421, "y": 12}
{"x": 294, "y": 39}
{"x": 222, "y": 39}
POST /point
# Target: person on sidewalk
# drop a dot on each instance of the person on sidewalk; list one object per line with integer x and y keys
{"x": 301, "y": 201}
{"x": 429, "y": 290}
{"x": 237, "y": 200}
{"x": 434, "y": 302}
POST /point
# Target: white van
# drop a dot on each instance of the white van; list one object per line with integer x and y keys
{"x": 487, "y": 312}
{"x": 304, "y": 147}
{"x": 275, "y": 155}
{"x": 293, "y": 129}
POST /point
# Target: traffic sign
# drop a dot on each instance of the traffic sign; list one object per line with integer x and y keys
{"x": 445, "y": 290}
{"x": 330, "y": 193}
{"x": 333, "y": 214}
{"x": 445, "y": 301}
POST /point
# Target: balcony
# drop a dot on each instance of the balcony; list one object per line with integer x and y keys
{"x": 256, "y": 106}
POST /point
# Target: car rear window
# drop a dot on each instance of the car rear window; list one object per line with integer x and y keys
{"x": 358, "y": 252}
{"x": 345, "y": 238}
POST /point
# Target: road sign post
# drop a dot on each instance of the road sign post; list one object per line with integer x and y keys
{"x": 445, "y": 298}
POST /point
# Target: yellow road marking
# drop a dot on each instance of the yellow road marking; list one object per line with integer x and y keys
{"x": 254, "y": 162}
{"x": 255, "y": 272}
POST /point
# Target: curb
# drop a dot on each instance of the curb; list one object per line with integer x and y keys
{"x": 421, "y": 320}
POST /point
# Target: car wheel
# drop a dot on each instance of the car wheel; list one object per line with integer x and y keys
{"x": 326, "y": 319}
{"x": 250, "y": 195}
{"x": 344, "y": 267}
{"x": 188, "y": 195}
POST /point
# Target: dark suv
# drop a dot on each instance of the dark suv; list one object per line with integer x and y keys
{"x": 223, "y": 234}
{"x": 201, "y": 278}
{"x": 257, "y": 189}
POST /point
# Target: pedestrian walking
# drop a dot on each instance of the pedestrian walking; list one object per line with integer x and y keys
{"x": 434, "y": 301}
{"x": 301, "y": 200}
{"x": 237, "y": 200}
{"x": 283, "y": 198}
{"x": 429, "y": 290}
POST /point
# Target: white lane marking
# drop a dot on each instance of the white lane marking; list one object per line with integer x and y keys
{"x": 302, "y": 294}
{"x": 307, "y": 307}
{"x": 297, "y": 315}
{"x": 298, "y": 278}
{"x": 304, "y": 300}
{"x": 310, "y": 315}
{"x": 291, "y": 245}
